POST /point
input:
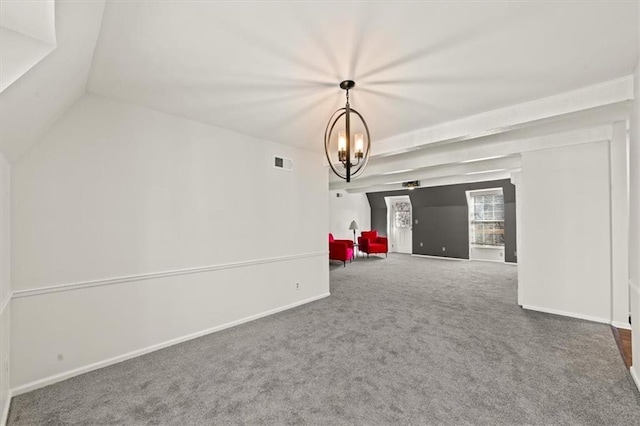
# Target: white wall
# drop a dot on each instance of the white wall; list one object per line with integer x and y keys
{"x": 493, "y": 254}
{"x": 619, "y": 227}
{"x": 344, "y": 209}
{"x": 115, "y": 192}
{"x": 564, "y": 265}
{"x": 5, "y": 283}
{"x": 634, "y": 225}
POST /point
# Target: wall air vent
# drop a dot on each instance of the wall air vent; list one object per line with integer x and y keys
{"x": 283, "y": 163}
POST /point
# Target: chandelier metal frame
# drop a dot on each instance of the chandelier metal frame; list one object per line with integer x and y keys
{"x": 351, "y": 169}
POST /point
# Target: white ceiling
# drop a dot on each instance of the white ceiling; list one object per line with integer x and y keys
{"x": 271, "y": 69}
{"x": 31, "y": 104}
{"x": 437, "y": 82}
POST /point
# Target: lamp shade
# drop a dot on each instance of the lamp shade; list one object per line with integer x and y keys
{"x": 353, "y": 226}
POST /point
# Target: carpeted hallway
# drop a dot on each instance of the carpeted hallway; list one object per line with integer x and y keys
{"x": 401, "y": 340}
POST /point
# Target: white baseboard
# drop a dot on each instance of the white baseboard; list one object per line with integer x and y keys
{"x": 622, "y": 325}
{"x": 37, "y": 384}
{"x": 440, "y": 257}
{"x": 567, "y": 314}
{"x": 5, "y": 412}
{"x": 635, "y": 377}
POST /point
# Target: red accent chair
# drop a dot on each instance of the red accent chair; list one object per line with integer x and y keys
{"x": 340, "y": 250}
{"x": 369, "y": 242}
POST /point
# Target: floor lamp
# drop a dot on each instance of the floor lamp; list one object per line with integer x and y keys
{"x": 354, "y": 228}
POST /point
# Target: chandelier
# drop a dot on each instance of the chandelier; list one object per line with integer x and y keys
{"x": 353, "y": 159}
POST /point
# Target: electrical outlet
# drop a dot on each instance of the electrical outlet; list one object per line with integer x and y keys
{"x": 444, "y": 249}
{"x": 297, "y": 286}
{"x": 515, "y": 253}
{"x": 416, "y": 221}
{"x": 421, "y": 244}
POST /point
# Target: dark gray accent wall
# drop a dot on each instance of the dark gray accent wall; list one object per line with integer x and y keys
{"x": 379, "y": 209}
{"x": 441, "y": 231}
{"x": 442, "y": 215}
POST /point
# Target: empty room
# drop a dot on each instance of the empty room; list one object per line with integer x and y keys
{"x": 345, "y": 212}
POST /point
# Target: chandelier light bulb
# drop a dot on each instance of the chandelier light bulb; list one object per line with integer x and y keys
{"x": 359, "y": 144}
{"x": 342, "y": 141}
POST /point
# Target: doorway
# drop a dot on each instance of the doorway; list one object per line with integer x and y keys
{"x": 399, "y": 220}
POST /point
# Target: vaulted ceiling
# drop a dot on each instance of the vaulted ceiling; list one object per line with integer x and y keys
{"x": 271, "y": 69}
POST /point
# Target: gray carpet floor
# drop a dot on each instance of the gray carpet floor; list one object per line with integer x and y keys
{"x": 401, "y": 340}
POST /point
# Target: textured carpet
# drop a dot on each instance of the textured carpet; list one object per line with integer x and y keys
{"x": 401, "y": 340}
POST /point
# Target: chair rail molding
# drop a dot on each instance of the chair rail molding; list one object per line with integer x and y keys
{"x": 5, "y": 303}
{"x": 56, "y": 288}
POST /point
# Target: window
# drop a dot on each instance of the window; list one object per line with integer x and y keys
{"x": 402, "y": 214}
{"x": 487, "y": 218}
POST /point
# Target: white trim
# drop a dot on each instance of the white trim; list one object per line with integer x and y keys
{"x": 439, "y": 257}
{"x": 635, "y": 377}
{"x": 5, "y": 303}
{"x": 154, "y": 275}
{"x": 515, "y": 145}
{"x": 37, "y": 384}
{"x": 434, "y": 172}
{"x": 567, "y": 314}
{"x": 427, "y": 183}
{"x": 5, "y": 412}
{"x": 480, "y": 246}
{"x": 487, "y": 260}
{"x": 622, "y": 325}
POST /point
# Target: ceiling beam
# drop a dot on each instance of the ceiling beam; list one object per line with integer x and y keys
{"x": 447, "y": 180}
{"x": 509, "y": 118}
{"x": 427, "y": 173}
{"x": 469, "y": 150}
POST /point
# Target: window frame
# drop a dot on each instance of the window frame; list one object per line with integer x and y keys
{"x": 471, "y": 195}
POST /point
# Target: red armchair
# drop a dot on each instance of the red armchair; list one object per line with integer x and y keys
{"x": 340, "y": 250}
{"x": 369, "y": 242}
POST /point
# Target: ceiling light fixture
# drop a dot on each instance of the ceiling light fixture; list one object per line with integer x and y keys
{"x": 411, "y": 184}
{"x": 361, "y": 139}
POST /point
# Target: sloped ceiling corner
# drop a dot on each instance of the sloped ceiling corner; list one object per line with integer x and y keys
{"x": 31, "y": 104}
{"x": 27, "y": 35}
